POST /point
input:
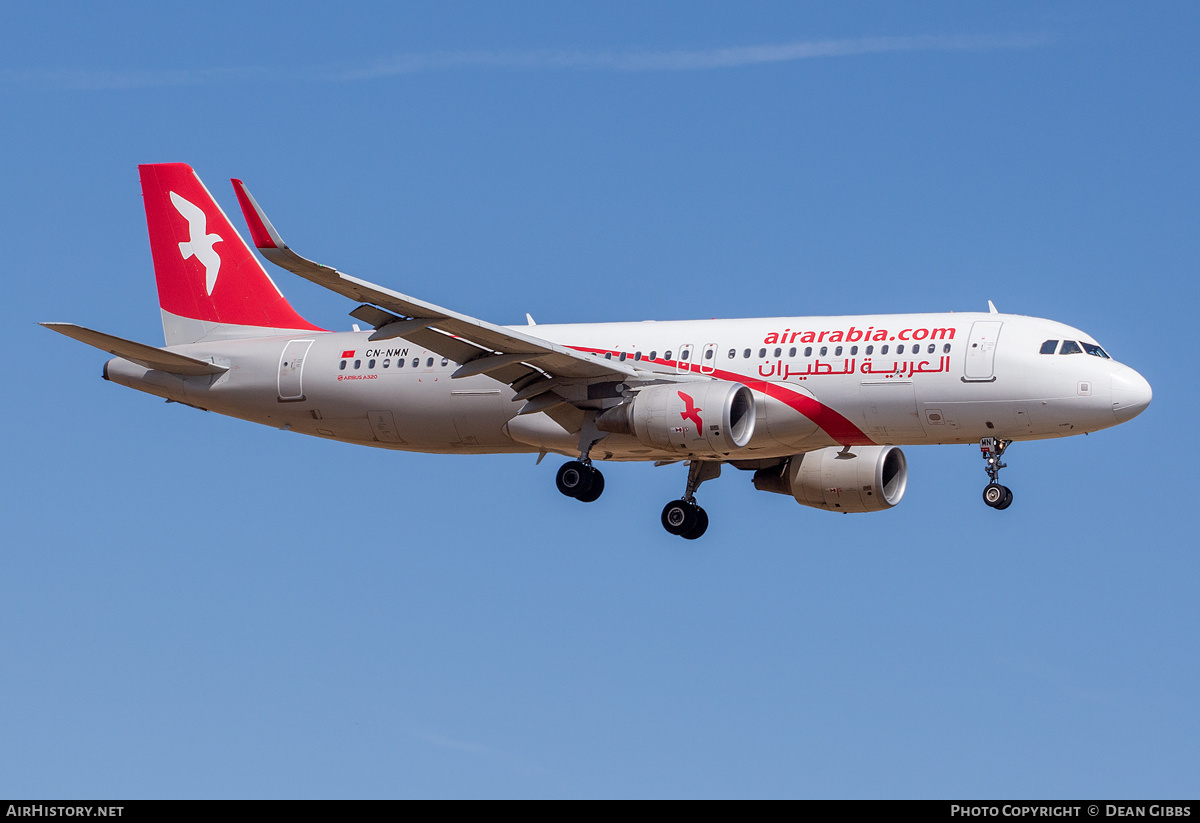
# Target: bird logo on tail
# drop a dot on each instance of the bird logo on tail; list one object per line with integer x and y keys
{"x": 201, "y": 243}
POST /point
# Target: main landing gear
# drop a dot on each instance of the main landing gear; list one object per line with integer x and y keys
{"x": 995, "y": 495}
{"x": 581, "y": 480}
{"x": 684, "y": 517}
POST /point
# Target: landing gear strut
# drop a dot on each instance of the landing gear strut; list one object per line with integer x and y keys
{"x": 684, "y": 517}
{"x": 995, "y": 495}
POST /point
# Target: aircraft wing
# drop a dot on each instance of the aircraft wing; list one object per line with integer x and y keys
{"x": 140, "y": 353}
{"x": 481, "y": 347}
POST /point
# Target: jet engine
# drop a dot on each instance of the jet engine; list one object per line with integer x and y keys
{"x": 857, "y": 479}
{"x": 714, "y": 417}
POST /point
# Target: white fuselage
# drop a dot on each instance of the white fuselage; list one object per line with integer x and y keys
{"x": 817, "y": 382}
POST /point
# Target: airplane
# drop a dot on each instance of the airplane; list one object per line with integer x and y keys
{"x": 815, "y": 407}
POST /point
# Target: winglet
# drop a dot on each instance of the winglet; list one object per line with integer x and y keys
{"x": 261, "y": 230}
{"x": 271, "y": 245}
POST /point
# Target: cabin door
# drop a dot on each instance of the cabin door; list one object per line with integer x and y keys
{"x": 291, "y": 369}
{"x": 981, "y": 351}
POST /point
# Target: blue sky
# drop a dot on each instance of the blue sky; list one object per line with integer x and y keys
{"x": 195, "y": 606}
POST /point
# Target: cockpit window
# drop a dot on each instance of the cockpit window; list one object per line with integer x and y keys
{"x": 1049, "y": 346}
{"x": 1095, "y": 351}
{"x": 1070, "y": 347}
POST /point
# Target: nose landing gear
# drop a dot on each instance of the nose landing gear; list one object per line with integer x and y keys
{"x": 997, "y": 496}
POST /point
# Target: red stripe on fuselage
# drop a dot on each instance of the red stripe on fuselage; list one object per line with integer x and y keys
{"x": 830, "y": 421}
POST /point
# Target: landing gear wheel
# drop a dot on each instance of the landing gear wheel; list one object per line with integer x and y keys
{"x": 575, "y": 479}
{"x": 681, "y": 516}
{"x": 597, "y": 487}
{"x": 701, "y": 525}
{"x": 997, "y": 496}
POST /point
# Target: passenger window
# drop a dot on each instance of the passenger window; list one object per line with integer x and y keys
{"x": 1049, "y": 346}
{"x": 853, "y": 350}
{"x": 386, "y": 362}
{"x": 824, "y": 349}
{"x": 685, "y": 354}
{"x": 429, "y": 362}
{"x": 445, "y": 360}
{"x": 371, "y": 363}
{"x": 1070, "y": 347}
{"x": 946, "y": 348}
{"x": 357, "y": 364}
{"x": 746, "y": 353}
{"x": 778, "y": 352}
{"x": 667, "y": 354}
{"x": 608, "y": 355}
{"x": 732, "y": 353}
{"x": 708, "y": 353}
{"x": 883, "y": 349}
{"x": 870, "y": 350}
{"x": 808, "y": 351}
{"x": 416, "y": 362}
{"x": 622, "y": 357}
{"x": 342, "y": 366}
{"x": 654, "y": 355}
{"x": 637, "y": 355}
{"x": 399, "y": 364}
{"x": 792, "y": 351}
{"x": 932, "y": 348}
{"x": 900, "y": 349}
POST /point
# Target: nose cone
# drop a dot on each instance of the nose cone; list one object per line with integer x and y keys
{"x": 1130, "y": 394}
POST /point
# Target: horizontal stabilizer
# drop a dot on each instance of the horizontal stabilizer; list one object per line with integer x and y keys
{"x": 140, "y": 353}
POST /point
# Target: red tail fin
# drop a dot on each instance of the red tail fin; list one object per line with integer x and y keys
{"x": 204, "y": 269}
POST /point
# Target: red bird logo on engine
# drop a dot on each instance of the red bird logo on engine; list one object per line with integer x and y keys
{"x": 691, "y": 412}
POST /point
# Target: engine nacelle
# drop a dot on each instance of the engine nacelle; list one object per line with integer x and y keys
{"x": 714, "y": 417}
{"x": 863, "y": 479}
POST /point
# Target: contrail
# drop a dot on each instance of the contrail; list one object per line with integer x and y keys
{"x": 487, "y": 752}
{"x": 541, "y": 60}
{"x": 688, "y": 60}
